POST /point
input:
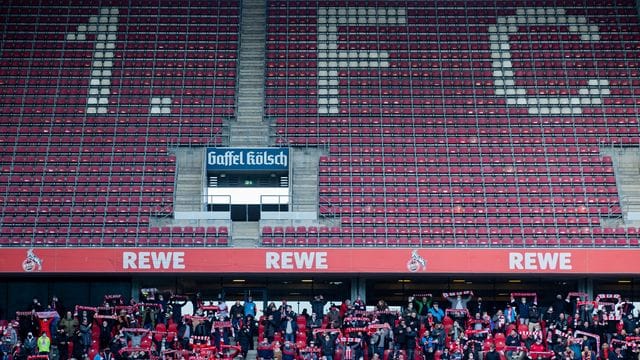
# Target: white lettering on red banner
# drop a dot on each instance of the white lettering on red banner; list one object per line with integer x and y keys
{"x": 540, "y": 261}
{"x": 285, "y": 260}
{"x": 157, "y": 260}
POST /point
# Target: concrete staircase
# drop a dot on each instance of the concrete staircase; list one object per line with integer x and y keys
{"x": 245, "y": 234}
{"x": 249, "y": 130}
{"x": 252, "y": 355}
{"x": 189, "y": 180}
{"x": 244, "y": 134}
{"x": 626, "y": 165}
{"x": 304, "y": 182}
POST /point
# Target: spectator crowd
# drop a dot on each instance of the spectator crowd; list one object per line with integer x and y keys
{"x": 453, "y": 326}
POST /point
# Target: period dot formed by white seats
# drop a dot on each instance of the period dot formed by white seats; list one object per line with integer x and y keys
{"x": 503, "y": 75}
{"x": 332, "y": 58}
{"x": 160, "y": 105}
{"x": 103, "y": 55}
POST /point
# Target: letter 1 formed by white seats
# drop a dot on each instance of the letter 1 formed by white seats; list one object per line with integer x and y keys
{"x": 105, "y": 27}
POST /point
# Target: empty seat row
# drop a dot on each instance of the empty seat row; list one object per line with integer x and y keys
{"x": 188, "y": 231}
{"x": 347, "y": 231}
{"x": 446, "y": 242}
{"x": 109, "y": 241}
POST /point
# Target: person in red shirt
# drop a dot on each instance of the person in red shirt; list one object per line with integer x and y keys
{"x": 604, "y": 353}
{"x": 45, "y": 324}
{"x": 538, "y": 346}
{"x": 346, "y": 305}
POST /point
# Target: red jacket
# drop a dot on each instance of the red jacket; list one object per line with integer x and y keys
{"x": 343, "y": 309}
{"x": 535, "y": 347}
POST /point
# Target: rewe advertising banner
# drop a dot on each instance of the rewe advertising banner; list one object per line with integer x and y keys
{"x": 320, "y": 260}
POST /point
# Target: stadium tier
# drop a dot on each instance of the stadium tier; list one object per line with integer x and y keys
{"x": 457, "y": 123}
{"x": 443, "y": 123}
{"x": 93, "y": 93}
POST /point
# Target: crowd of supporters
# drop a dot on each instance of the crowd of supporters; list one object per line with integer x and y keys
{"x": 453, "y": 326}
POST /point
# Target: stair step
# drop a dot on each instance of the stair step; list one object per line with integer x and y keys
{"x": 237, "y": 127}
{"x": 244, "y": 115}
{"x": 252, "y": 139}
{"x": 249, "y": 132}
{"x": 249, "y": 138}
{"x": 253, "y": 113}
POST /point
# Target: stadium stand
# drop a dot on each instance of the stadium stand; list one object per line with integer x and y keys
{"x": 444, "y": 124}
{"x": 87, "y": 115}
{"x": 456, "y": 123}
{"x": 421, "y": 328}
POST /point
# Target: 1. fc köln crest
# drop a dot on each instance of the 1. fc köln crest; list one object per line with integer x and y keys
{"x": 416, "y": 262}
{"x": 32, "y": 262}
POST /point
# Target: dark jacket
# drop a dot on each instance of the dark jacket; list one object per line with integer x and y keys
{"x": 317, "y": 306}
{"x": 400, "y": 336}
{"x": 492, "y": 355}
{"x": 328, "y": 346}
{"x": 244, "y": 338}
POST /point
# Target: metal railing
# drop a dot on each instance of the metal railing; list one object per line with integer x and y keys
{"x": 206, "y": 200}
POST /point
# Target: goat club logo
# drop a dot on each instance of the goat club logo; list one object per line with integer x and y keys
{"x": 32, "y": 262}
{"x": 416, "y": 262}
